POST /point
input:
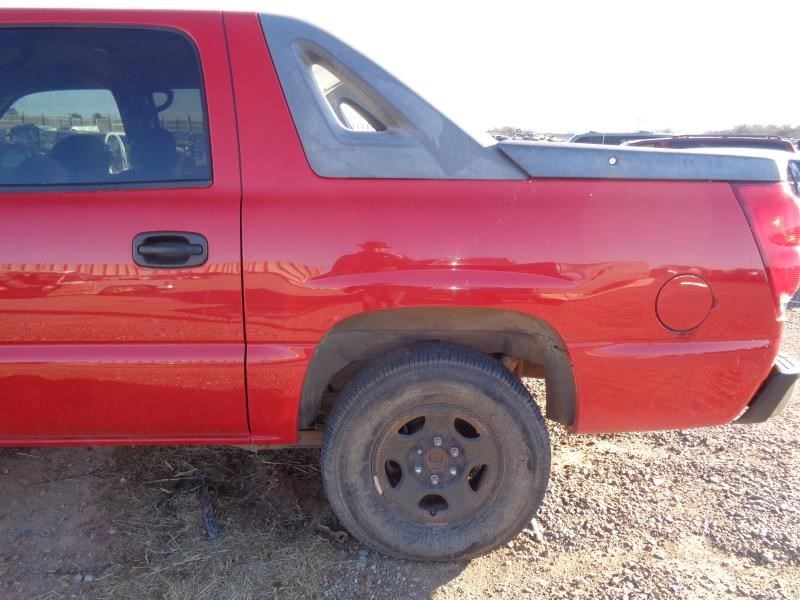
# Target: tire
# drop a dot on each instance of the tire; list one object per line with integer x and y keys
{"x": 478, "y": 484}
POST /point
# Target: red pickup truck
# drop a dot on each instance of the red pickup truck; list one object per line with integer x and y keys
{"x": 235, "y": 229}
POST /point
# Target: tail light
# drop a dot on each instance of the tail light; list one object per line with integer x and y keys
{"x": 774, "y": 214}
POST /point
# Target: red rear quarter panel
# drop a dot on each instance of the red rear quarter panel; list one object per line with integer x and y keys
{"x": 587, "y": 256}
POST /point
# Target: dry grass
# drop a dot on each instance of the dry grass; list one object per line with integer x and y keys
{"x": 263, "y": 503}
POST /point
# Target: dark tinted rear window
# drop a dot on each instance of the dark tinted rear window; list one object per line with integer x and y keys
{"x": 653, "y": 144}
{"x": 763, "y": 144}
{"x": 101, "y": 106}
{"x": 588, "y": 139}
{"x": 607, "y": 139}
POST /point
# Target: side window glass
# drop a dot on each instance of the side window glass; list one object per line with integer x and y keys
{"x": 338, "y": 93}
{"x": 101, "y": 106}
{"x": 354, "y": 118}
{"x": 184, "y": 119}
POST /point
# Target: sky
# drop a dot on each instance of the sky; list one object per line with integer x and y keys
{"x": 568, "y": 65}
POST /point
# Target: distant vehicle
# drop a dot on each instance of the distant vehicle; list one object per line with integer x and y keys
{"x": 612, "y": 139}
{"x": 763, "y": 142}
{"x": 82, "y": 129}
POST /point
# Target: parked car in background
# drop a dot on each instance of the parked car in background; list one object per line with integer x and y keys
{"x": 612, "y": 139}
{"x": 356, "y": 271}
{"x": 761, "y": 142}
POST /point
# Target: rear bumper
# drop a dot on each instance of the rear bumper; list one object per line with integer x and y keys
{"x": 774, "y": 394}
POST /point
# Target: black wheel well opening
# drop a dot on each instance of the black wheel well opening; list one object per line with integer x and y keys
{"x": 526, "y": 345}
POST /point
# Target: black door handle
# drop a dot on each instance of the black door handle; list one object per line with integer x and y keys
{"x": 170, "y": 249}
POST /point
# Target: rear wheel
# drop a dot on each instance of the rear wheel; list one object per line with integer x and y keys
{"x": 435, "y": 453}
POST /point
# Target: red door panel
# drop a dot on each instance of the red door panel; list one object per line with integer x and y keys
{"x": 96, "y": 348}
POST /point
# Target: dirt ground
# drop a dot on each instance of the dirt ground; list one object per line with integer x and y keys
{"x": 698, "y": 514}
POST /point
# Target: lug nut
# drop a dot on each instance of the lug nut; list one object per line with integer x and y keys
{"x": 434, "y": 479}
{"x": 437, "y": 440}
{"x": 453, "y": 471}
{"x": 417, "y": 468}
{"x": 453, "y": 451}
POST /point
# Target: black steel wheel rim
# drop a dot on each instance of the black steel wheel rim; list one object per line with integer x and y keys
{"x": 437, "y": 464}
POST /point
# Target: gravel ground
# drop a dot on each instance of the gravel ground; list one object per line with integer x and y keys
{"x": 705, "y": 513}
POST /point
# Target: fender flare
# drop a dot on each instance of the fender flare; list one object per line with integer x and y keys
{"x": 366, "y": 336}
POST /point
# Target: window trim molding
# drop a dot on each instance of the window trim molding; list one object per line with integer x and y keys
{"x": 106, "y": 186}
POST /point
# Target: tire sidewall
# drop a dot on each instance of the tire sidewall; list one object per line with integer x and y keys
{"x": 374, "y": 401}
